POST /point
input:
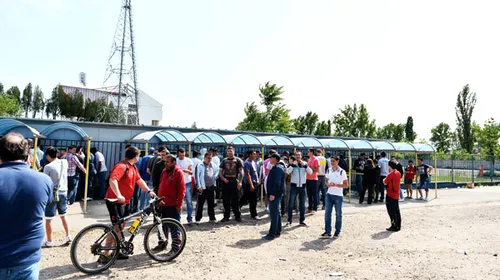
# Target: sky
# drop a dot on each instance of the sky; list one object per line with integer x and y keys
{"x": 204, "y": 60}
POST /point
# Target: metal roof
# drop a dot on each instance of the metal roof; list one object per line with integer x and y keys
{"x": 165, "y": 136}
{"x": 64, "y": 125}
{"x": 8, "y": 125}
{"x": 336, "y": 144}
{"x": 205, "y": 138}
{"x": 382, "y": 146}
{"x": 360, "y": 145}
{"x": 242, "y": 140}
{"x": 404, "y": 147}
{"x": 276, "y": 140}
{"x": 306, "y": 142}
{"x": 424, "y": 148}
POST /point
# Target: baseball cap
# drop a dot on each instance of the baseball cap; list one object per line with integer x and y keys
{"x": 151, "y": 149}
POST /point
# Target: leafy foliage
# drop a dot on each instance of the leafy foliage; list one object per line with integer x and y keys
{"x": 38, "y": 102}
{"x": 9, "y": 106}
{"x": 466, "y": 101}
{"x": 410, "y": 135}
{"x": 16, "y": 93}
{"x": 354, "y": 122}
{"x": 487, "y": 138}
{"x": 27, "y": 99}
{"x": 392, "y": 131}
{"x": 442, "y": 137}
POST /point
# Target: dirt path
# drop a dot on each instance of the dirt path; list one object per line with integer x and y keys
{"x": 424, "y": 249}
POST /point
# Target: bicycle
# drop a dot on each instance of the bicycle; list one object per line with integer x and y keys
{"x": 106, "y": 245}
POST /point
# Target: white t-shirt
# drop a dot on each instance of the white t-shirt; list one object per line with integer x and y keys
{"x": 53, "y": 169}
{"x": 337, "y": 177}
{"x": 99, "y": 157}
{"x": 384, "y": 166}
{"x": 322, "y": 165}
{"x": 184, "y": 164}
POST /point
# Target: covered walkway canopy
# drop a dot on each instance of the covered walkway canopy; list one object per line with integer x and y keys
{"x": 11, "y": 125}
{"x": 335, "y": 144}
{"x": 382, "y": 146}
{"x": 161, "y": 136}
{"x": 360, "y": 145}
{"x": 205, "y": 138}
{"x": 242, "y": 140}
{"x": 276, "y": 141}
{"x": 65, "y": 130}
{"x": 306, "y": 142}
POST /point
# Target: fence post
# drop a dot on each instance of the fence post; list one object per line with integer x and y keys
{"x": 349, "y": 167}
{"x": 492, "y": 168}
{"x": 472, "y": 169}
{"x": 452, "y": 168}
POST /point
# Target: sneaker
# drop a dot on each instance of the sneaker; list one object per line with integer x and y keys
{"x": 268, "y": 237}
{"x": 277, "y": 235}
{"x": 224, "y": 220}
{"x": 68, "y": 240}
{"x": 401, "y": 200}
{"x": 103, "y": 259}
{"x": 197, "y": 223}
{"x": 160, "y": 247}
{"x": 47, "y": 244}
{"x": 325, "y": 235}
{"x": 426, "y": 199}
{"x": 238, "y": 220}
{"x": 336, "y": 236}
{"x": 302, "y": 224}
{"x": 308, "y": 211}
{"x": 256, "y": 218}
{"x": 213, "y": 221}
{"x": 288, "y": 224}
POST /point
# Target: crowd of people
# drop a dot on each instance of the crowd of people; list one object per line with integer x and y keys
{"x": 286, "y": 181}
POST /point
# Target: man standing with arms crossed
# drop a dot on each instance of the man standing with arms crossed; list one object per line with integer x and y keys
{"x": 231, "y": 174}
{"x": 24, "y": 195}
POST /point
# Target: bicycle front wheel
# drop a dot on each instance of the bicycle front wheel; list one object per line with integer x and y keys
{"x": 94, "y": 249}
{"x": 165, "y": 241}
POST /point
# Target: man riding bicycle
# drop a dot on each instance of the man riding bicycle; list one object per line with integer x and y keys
{"x": 122, "y": 181}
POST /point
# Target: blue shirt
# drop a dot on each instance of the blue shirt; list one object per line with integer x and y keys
{"x": 144, "y": 167}
{"x": 251, "y": 167}
{"x": 24, "y": 194}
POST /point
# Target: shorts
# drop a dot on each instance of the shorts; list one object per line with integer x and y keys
{"x": 117, "y": 211}
{"x": 61, "y": 206}
{"x": 408, "y": 181}
{"x": 423, "y": 185}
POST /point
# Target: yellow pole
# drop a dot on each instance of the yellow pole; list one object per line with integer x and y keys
{"x": 323, "y": 150}
{"x": 294, "y": 149}
{"x": 86, "y": 177}
{"x": 349, "y": 173}
{"x": 33, "y": 165}
{"x": 435, "y": 176}
{"x": 262, "y": 185}
{"x": 147, "y": 147}
{"x": 417, "y": 177}
{"x": 189, "y": 150}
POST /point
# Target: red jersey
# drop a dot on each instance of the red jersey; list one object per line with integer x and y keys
{"x": 127, "y": 176}
{"x": 392, "y": 182}
{"x": 410, "y": 172}
{"x": 172, "y": 187}
{"x": 313, "y": 162}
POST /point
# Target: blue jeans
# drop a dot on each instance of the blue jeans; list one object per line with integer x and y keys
{"x": 321, "y": 189}
{"x": 171, "y": 212}
{"x": 189, "y": 202}
{"x": 359, "y": 183}
{"x": 331, "y": 201}
{"x": 30, "y": 272}
{"x": 144, "y": 197}
{"x": 72, "y": 188}
{"x": 101, "y": 177}
{"x": 275, "y": 215}
{"x": 301, "y": 192}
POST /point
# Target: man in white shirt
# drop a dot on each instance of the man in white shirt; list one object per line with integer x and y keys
{"x": 57, "y": 170}
{"x": 336, "y": 183}
{"x": 383, "y": 162}
{"x": 186, "y": 166}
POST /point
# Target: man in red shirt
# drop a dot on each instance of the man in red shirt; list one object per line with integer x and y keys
{"x": 409, "y": 176}
{"x": 312, "y": 182}
{"x": 122, "y": 181}
{"x": 392, "y": 181}
{"x": 173, "y": 188}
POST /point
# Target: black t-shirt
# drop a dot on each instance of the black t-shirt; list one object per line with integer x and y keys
{"x": 231, "y": 167}
{"x": 156, "y": 170}
{"x": 423, "y": 171}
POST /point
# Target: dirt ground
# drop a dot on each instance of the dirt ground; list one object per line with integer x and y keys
{"x": 425, "y": 248}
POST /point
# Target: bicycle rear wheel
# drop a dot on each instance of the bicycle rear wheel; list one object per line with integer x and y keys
{"x": 94, "y": 249}
{"x": 165, "y": 241}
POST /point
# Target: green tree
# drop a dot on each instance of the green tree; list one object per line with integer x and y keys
{"x": 27, "y": 99}
{"x": 53, "y": 105}
{"x": 488, "y": 138}
{"x": 1, "y": 88}
{"x": 16, "y": 93}
{"x": 324, "y": 128}
{"x": 442, "y": 137}
{"x": 392, "y": 131}
{"x": 77, "y": 105}
{"x": 193, "y": 126}
{"x": 306, "y": 124}
{"x": 276, "y": 118}
{"x": 410, "y": 135}
{"x": 354, "y": 122}
{"x": 9, "y": 106}
{"x": 38, "y": 102}
{"x": 466, "y": 101}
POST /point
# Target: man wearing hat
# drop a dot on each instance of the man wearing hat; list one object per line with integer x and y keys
{"x": 275, "y": 189}
{"x": 143, "y": 171}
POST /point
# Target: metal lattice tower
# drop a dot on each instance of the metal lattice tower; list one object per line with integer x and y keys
{"x": 121, "y": 68}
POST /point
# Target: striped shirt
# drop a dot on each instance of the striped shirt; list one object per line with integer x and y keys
{"x": 73, "y": 163}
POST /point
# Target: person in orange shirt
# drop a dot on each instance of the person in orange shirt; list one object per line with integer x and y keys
{"x": 392, "y": 181}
